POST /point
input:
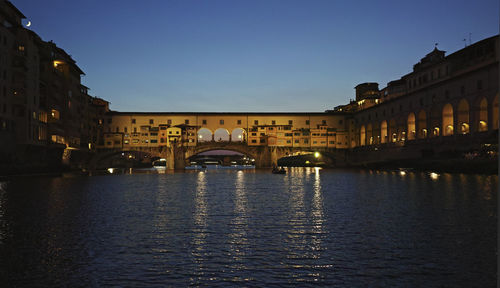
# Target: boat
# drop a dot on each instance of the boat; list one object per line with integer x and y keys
{"x": 160, "y": 163}
{"x": 280, "y": 170}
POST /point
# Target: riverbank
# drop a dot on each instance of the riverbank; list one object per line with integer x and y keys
{"x": 466, "y": 166}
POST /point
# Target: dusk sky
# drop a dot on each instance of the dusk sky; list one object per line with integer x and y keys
{"x": 243, "y": 56}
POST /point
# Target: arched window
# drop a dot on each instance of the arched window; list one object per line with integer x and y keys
{"x": 483, "y": 115}
{"x": 204, "y": 135}
{"x": 411, "y": 126}
{"x": 383, "y": 132}
{"x": 422, "y": 124}
{"x": 362, "y": 136}
{"x": 221, "y": 134}
{"x": 463, "y": 116}
{"x": 448, "y": 120}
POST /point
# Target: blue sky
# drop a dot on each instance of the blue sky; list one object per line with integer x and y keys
{"x": 243, "y": 56}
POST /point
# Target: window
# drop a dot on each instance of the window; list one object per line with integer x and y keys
{"x": 273, "y": 122}
{"x": 262, "y": 140}
{"x": 135, "y": 129}
{"x": 186, "y": 121}
{"x": 332, "y": 142}
{"x": 256, "y": 122}
{"x": 254, "y": 141}
{"x": 125, "y": 129}
{"x": 133, "y": 121}
{"x": 154, "y": 141}
{"x": 254, "y": 134}
{"x": 151, "y": 121}
{"x": 204, "y": 121}
{"x": 55, "y": 114}
{"x": 238, "y": 122}
{"x": 169, "y": 121}
{"x": 307, "y": 122}
{"x": 221, "y": 122}
{"x": 323, "y": 122}
{"x": 306, "y": 141}
{"x": 117, "y": 129}
{"x": 290, "y": 122}
{"x": 297, "y": 141}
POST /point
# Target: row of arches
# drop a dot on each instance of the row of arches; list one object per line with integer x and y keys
{"x": 222, "y": 135}
{"x": 439, "y": 122}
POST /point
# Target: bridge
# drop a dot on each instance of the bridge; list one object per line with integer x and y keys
{"x": 178, "y": 156}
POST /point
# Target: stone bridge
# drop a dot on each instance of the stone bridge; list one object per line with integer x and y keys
{"x": 178, "y": 156}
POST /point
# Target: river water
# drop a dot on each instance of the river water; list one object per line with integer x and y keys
{"x": 250, "y": 228}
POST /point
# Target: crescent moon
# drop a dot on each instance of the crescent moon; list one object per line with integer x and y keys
{"x": 28, "y": 24}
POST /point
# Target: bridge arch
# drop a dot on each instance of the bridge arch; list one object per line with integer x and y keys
{"x": 205, "y": 135}
{"x": 238, "y": 135}
{"x": 228, "y": 146}
{"x": 101, "y": 158}
{"x": 222, "y": 135}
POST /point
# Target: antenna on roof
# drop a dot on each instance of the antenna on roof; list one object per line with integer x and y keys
{"x": 470, "y": 38}
{"x": 465, "y": 42}
{"x": 436, "y": 45}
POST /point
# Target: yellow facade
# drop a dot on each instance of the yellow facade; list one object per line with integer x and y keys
{"x": 303, "y": 130}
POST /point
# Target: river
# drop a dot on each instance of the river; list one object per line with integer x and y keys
{"x": 250, "y": 228}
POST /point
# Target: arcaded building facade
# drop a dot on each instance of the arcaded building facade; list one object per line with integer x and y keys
{"x": 443, "y": 96}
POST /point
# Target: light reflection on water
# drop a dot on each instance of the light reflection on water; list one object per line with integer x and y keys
{"x": 250, "y": 228}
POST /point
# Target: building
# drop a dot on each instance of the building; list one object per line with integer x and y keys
{"x": 443, "y": 96}
{"x": 136, "y": 129}
{"x": 44, "y": 108}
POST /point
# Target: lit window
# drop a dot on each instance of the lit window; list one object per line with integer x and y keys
{"x": 54, "y": 114}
